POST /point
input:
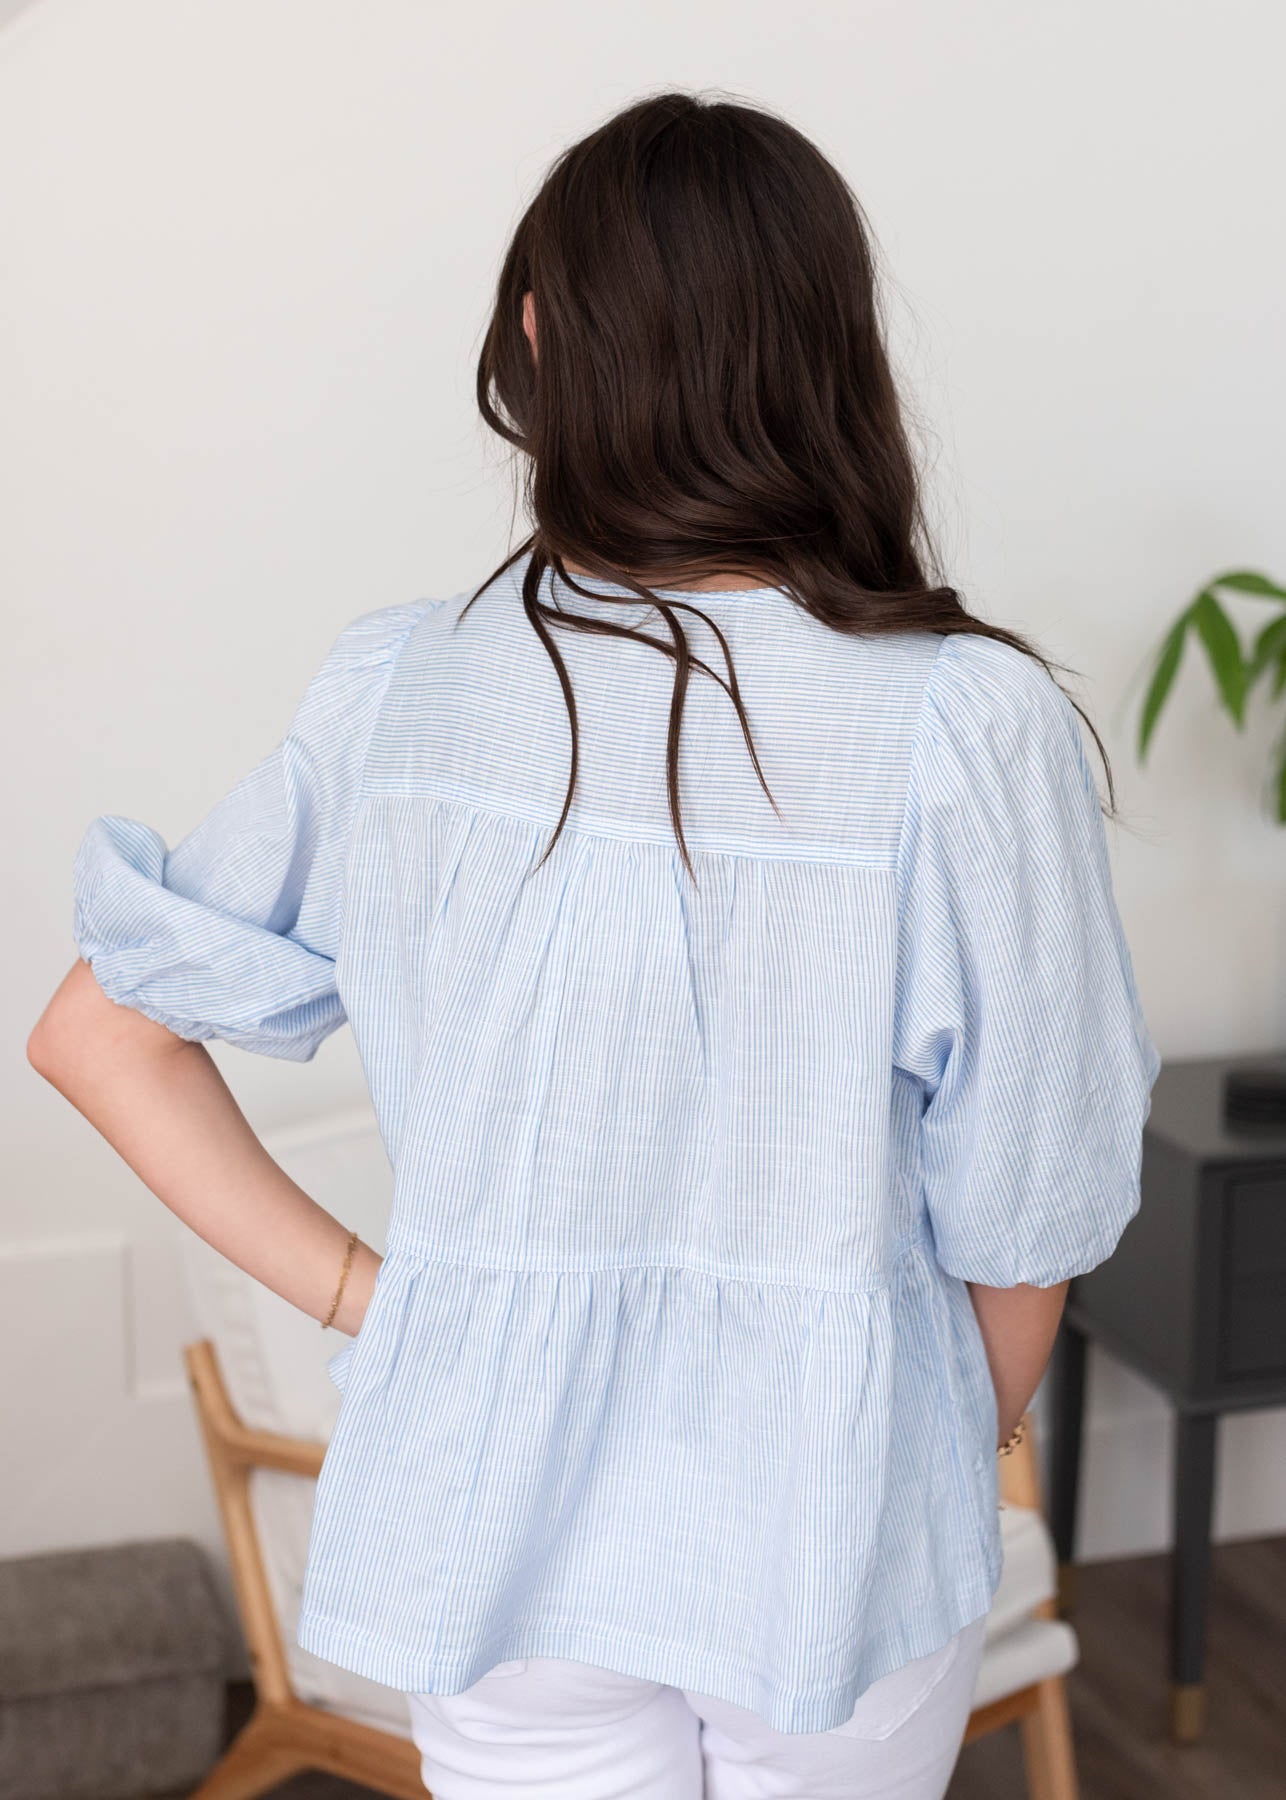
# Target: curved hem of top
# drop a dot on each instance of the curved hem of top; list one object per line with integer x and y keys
{"x": 656, "y": 1659}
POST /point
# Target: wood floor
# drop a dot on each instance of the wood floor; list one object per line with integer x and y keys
{"x": 1118, "y": 1694}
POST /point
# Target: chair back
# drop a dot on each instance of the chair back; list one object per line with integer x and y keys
{"x": 273, "y": 1361}
{"x": 1026, "y": 1644}
{"x": 272, "y": 1356}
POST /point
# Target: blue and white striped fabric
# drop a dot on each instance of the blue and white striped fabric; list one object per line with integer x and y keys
{"x": 670, "y": 1364}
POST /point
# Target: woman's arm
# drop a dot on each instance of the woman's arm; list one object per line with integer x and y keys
{"x": 1018, "y": 1327}
{"x": 160, "y": 1101}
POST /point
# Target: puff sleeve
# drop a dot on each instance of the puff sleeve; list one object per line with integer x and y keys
{"x": 233, "y": 933}
{"x": 1016, "y": 1006}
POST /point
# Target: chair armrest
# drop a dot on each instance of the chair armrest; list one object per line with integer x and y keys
{"x": 238, "y": 1442}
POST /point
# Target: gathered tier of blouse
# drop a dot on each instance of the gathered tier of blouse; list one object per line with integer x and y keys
{"x": 670, "y": 1364}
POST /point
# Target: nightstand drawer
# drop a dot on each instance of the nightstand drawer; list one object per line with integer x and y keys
{"x": 1256, "y": 1225}
{"x": 1253, "y": 1338}
{"x": 1252, "y": 1302}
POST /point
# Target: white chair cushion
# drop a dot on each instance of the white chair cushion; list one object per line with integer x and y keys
{"x": 275, "y": 1362}
{"x": 1029, "y": 1572}
{"x": 272, "y": 1356}
{"x": 283, "y": 1506}
{"x": 1033, "y": 1651}
{"x": 1018, "y": 1649}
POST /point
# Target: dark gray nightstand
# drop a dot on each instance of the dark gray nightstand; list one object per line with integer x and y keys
{"x": 1194, "y": 1299}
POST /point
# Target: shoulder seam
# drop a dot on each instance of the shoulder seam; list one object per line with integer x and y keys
{"x": 967, "y": 723}
{"x": 418, "y": 609}
{"x": 916, "y": 734}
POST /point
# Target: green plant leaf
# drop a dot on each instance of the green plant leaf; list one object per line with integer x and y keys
{"x": 1223, "y": 647}
{"x": 1163, "y": 679}
{"x": 1279, "y": 680}
{"x": 1267, "y": 648}
{"x": 1249, "y": 581}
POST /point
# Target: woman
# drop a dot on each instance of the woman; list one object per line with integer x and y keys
{"x": 724, "y": 916}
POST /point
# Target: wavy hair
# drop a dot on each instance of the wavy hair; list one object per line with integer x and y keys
{"x": 710, "y": 390}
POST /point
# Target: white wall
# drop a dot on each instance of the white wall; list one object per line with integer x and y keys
{"x": 249, "y": 249}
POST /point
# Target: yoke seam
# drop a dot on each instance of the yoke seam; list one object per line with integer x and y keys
{"x": 451, "y": 795}
{"x": 397, "y": 1242}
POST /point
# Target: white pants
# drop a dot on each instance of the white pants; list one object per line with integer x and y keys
{"x": 551, "y": 1729}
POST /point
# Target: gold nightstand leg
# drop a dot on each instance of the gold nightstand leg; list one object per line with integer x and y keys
{"x": 1187, "y": 1712}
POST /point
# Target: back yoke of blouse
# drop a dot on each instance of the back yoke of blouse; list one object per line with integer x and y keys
{"x": 670, "y": 1365}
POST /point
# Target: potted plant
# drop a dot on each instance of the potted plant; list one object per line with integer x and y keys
{"x": 1254, "y": 1091}
{"x": 1236, "y": 672}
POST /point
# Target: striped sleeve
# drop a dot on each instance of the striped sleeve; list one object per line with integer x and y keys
{"x": 233, "y": 933}
{"x": 1016, "y": 1002}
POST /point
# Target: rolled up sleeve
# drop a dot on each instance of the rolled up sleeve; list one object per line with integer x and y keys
{"x": 1017, "y": 1008}
{"x": 234, "y": 932}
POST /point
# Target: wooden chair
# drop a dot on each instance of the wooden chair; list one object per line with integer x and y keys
{"x": 284, "y": 1735}
{"x": 1029, "y": 1649}
{"x": 263, "y": 1378}
{"x": 266, "y": 1392}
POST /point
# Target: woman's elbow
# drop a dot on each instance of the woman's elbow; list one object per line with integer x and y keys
{"x": 60, "y": 1029}
{"x": 80, "y": 1023}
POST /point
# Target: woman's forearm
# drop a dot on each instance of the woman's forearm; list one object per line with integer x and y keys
{"x": 1018, "y": 1325}
{"x": 163, "y": 1105}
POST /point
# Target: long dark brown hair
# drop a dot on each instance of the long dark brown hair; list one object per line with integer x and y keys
{"x": 709, "y": 391}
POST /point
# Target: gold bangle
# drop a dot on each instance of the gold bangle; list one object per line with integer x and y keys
{"x": 1015, "y": 1438}
{"x": 343, "y": 1277}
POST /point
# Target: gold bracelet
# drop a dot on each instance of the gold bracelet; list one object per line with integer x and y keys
{"x": 343, "y": 1277}
{"x": 1015, "y": 1438}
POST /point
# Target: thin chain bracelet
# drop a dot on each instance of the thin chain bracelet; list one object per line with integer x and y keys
{"x": 1015, "y": 1438}
{"x": 343, "y": 1277}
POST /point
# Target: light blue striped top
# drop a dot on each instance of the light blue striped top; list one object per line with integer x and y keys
{"x": 670, "y": 1364}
